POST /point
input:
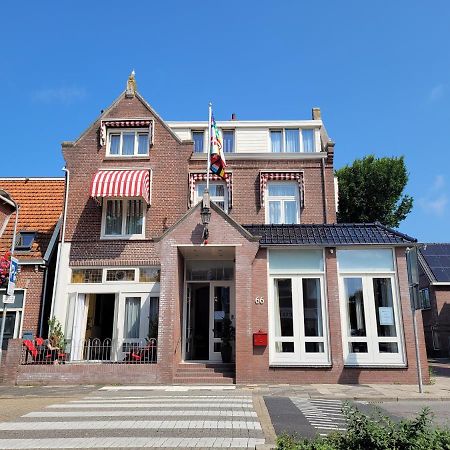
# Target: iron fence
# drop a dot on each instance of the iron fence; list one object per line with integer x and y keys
{"x": 127, "y": 351}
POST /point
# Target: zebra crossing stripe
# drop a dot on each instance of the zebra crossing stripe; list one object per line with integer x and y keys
{"x": 130, "y": 442}
{"x": 149, "y": 405}
{"x": 166, "y": 400}
{"x": 158, "y": 413}
{"x": 130, "y": 425}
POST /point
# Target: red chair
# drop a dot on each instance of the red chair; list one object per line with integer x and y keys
{"x": 38, "y": 354}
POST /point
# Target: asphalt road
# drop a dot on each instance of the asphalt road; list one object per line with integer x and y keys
{"x": 303, "y": 417}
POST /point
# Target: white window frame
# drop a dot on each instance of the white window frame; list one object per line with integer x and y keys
{"x": 373, "y": 357}
{"x": 213, "y": 198}
{"x": 299, "y": 357}
{"x": 19, "y": 313}
{"x": 205, "y": 145}
{"x": 124, "y": 219}
{"x": 316, "y": 137}
{"x": 229, "y": 130}
{"x": 121, "y": 131}
{"x": 282, "y": 199}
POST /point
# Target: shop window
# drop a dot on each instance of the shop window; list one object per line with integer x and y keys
{"x": 369, "y": 307}
{"x": 298, "y": 325}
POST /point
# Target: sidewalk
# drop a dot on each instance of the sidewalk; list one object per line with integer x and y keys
{"x": 439, "y": 390}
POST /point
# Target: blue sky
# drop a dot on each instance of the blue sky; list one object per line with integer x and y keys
{"x": 380, "y": 72}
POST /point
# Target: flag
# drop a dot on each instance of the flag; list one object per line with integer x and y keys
{"x": 216, "y": 156}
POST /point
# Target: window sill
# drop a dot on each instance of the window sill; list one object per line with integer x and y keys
{"x": 124, "y": 238}
{"x": 377, "y": 366}
{"x": 301, "y": 365}
{"x": 127, "y": 158}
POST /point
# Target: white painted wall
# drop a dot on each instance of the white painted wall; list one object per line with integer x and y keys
{"x": 251, "y": 140}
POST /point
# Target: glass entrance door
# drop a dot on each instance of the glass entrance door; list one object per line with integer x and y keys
{"x": 220, "y": 308}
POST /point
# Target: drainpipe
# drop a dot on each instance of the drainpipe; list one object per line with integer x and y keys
{"x": 63, "y": 235}
{"x": 324, "y": 190}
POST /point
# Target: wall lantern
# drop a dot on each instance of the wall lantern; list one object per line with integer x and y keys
{"x": 205, "y": 215}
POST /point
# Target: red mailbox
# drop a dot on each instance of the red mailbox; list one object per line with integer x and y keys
{"x": 260, "y": 339}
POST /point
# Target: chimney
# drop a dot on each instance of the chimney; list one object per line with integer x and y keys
{"x": 233, "y": 116}
{"x": 316, "y": 115}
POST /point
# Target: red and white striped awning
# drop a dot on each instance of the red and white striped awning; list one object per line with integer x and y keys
{"x": 121, "y": 183}
{"x": 264, "y": 177}
{"x": 194, "y": 177}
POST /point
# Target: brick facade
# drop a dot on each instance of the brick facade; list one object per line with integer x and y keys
{"x": 171, "y": 231}
{"x": 437, "y": 318}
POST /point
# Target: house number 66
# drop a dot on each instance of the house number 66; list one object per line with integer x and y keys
{"x": 259, "y": 300}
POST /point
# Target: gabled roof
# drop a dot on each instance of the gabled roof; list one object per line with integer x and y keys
{"x": 241, "y": 229}
{"x": 41, "y": 204}
{"x": 328, "y": 234}
{"x": 437, "y": 260}
{"x": 121, "y": 97}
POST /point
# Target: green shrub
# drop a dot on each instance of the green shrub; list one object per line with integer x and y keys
{"x": 376, "y": 432}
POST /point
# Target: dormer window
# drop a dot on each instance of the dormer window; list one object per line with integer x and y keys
{"x": 25, "y": 240}
{"x": 128, "y": 143}
{"x": 293, "y": 140}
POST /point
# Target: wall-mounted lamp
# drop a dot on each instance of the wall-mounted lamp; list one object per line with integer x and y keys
{"x": 205, "y": 215}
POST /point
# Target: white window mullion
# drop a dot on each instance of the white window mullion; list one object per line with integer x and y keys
{"x": 300, "y": 319}
{"x": 121, "y": 144}
{"x": 300, "y": 136}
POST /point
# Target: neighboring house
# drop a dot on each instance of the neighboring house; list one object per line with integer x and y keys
{"x": 434, "y": 270}
{"x": 41, "y": 204}
{"x": 331, "y": 299}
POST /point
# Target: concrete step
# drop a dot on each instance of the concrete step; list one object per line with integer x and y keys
{"x": 192, "y": 373}
{"x": 203, "y": 380}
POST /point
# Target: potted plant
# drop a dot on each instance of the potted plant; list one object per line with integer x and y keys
{"x": 228, "y": 333}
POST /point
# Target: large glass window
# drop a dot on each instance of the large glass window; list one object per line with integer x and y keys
{"x": 298, "y": 330}
{"x": 298, "y": 320}
{"x": 128, "y": 143}
{"x": 293, "y": 140}
{"x": 218, "y": 193}
{"x": 123, "y": 218}
{"x": 282, "y": 203}
{"x": 369, "y": 306}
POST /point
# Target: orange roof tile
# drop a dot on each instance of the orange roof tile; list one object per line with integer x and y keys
{"x": 41, "y": 204}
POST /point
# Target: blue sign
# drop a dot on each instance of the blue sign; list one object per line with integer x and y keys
{"x": 13, "y": 271}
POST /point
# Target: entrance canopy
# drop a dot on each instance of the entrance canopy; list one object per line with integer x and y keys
{"x": 121, "y": 183}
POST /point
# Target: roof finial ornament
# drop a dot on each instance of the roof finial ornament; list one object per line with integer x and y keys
{"x": 131, "y": 85}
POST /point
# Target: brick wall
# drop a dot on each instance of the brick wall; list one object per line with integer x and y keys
{"x": 246, "y": 192}
{"x": 442, "y": 295}
{"x": 170, "y": 163}
{"x": 168, "y": 160}
{"x": 31, "y": 278}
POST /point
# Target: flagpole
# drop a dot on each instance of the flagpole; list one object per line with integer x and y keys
{"x": 208, "y": 156}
